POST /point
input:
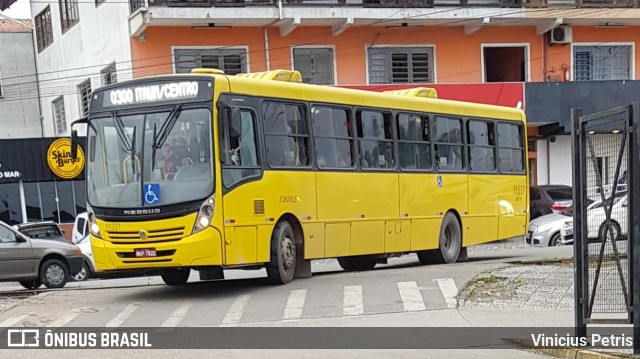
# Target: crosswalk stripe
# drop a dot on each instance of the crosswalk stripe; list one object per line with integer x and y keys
{"x": 352, "y": 300}
{"x": 63, "y": 320}
{"x": 449, "y": 291}
{"x": 123, "y": 315}
{"x": 295, "y": 303}
{"x": 235, "y": 312}
{"x": 411, "y": 298}
{"x": 14, "y": 320}
{"x": 177, "y": 316}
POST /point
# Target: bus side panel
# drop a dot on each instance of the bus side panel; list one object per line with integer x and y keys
{"x": 364, "y": 199}
{"x": 397, "y": 236}
{"x": 242, "y": 245}
{"x": 261, "y": 203}
{"x": 367, "y": 237}
{"x": 513, "y": 206}
{"x": 314, "y": 240}
{"x": 418, "y": 203}
{"x": 482, "y": 222}
{"x": 338, "y": 240}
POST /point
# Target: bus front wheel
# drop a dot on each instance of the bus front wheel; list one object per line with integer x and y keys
{"x": 450, "y": 243}
{"x": 175, "y": 276}
{"x": 282, "y": 265}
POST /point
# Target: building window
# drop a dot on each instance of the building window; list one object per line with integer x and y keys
{"x": 375, "y": 139}
{"x": 315, "y": 65}
{"x": 231, "y": 61}
{"x": 390, "y": 65}
{"x": 84, "y": 91}
{"x": 286, "y": 134}
{"x": 592, "y": 63}
{"x": 59, "y": 115}
{"x": 108, "y": 74}
{"x": 44, "y": 31}
{"x": 68, "y": 13}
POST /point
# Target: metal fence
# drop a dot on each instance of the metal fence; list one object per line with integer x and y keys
{"x": 606, "y": 170}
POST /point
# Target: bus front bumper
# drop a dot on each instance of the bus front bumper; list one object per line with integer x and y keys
{"x": 201, "y": 249}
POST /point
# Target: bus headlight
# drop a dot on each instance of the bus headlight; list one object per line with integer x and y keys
{"x": 205, "y": 214}
{"x": 94, "y": 228}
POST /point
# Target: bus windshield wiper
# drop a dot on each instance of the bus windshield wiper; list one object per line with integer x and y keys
{"x": 120, "y": 131}
{"x": 159, "y": 137}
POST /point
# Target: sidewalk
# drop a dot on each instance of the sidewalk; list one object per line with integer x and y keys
{"x": 536, "y": 295}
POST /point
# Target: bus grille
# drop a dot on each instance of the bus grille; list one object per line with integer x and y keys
{"x": 152, "y": 236}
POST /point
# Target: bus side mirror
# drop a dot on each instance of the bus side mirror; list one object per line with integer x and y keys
{"x": 74, "y": 144}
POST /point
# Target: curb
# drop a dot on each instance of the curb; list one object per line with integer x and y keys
{"x": 566, "y": 353}
{"x": 541, "y": 261}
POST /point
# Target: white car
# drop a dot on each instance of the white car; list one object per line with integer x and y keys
{"x": 80, "y": 237}
{"x": 596, "y": 219}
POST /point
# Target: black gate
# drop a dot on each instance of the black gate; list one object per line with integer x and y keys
{"x": 606, "y": 169}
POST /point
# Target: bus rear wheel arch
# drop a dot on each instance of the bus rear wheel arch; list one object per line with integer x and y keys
{"x": 449, "y": 243}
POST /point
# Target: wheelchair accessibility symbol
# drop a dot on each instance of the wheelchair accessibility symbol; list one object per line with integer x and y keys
{"x": 152, "y": 193}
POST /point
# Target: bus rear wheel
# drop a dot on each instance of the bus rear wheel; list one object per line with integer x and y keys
{"x": 282, "y": 265}
{"x": 175, "y": 276}
{"x": 450, "y": 243}
{"x": 357, "y": 263}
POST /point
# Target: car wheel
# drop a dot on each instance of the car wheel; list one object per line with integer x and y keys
{"x": 54, "y": 273}
{"x": 281, "y": 268}
{"x": 604, "y": 231}
{"x": 84, "y": 274}
{"x": 175, "y": 276}
{"x": 555, "y": 240}
{"x": 31, "y": 284}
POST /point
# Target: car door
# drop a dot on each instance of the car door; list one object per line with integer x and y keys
{"x": 16, "y": 254}
{"x": 80, "y": 229}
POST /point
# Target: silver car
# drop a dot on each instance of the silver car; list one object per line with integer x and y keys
{"x": 545, "y": 230}
{"x": 34, "y": 262}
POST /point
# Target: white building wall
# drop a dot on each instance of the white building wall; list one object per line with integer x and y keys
{"x": 554, "y": 161}
{"x": 100, "y": 38}
{"x": 19, "y": 110}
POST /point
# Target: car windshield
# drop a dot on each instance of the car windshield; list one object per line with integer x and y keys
{"x": 156, "y": 158}
{"x": 42, "y": 231}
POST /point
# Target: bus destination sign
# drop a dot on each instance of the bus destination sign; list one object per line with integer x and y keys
{"x": 151, "y": 93}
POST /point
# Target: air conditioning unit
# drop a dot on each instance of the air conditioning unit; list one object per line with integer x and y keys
{"x": 561, "y": 35}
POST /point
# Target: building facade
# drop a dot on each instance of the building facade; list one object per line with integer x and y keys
{"x": 535, "y": 43}
{"x": 19, "y": 104}
{"x": 80, "y": 46}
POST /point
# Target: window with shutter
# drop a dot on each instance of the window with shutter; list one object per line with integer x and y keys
{"x": 315, "y": 65}
{"x": 59, "y": 117}
{"x": 400, "y": 65}
{"x": 593, "y": 63}
{"x": 44, "y": 31}
{"x": 84, "y": 91}
{"x": 108, "y": 74}
{"x": 231, "y": 61}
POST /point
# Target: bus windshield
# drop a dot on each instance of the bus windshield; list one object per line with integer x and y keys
{"x": 150, "y": 158}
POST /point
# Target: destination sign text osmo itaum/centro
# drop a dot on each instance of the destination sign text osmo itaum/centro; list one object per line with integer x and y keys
{"x": 151, "y": 93}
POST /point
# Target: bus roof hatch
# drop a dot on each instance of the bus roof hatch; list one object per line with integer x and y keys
{"x": 278, "y": 75}
{"x": 207, "y": 71}
{"x": 415, "y": 92}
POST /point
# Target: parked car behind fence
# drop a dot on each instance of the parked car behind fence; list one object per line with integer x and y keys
{"x": 549, "y": 199}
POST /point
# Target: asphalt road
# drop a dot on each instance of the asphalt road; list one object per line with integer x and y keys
{"x": 402, "y": 293}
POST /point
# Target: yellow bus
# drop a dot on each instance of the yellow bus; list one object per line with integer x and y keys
{"x": 207, "y": 171}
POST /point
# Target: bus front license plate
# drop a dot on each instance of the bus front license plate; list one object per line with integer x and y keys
{"x": 146, "y": 252}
